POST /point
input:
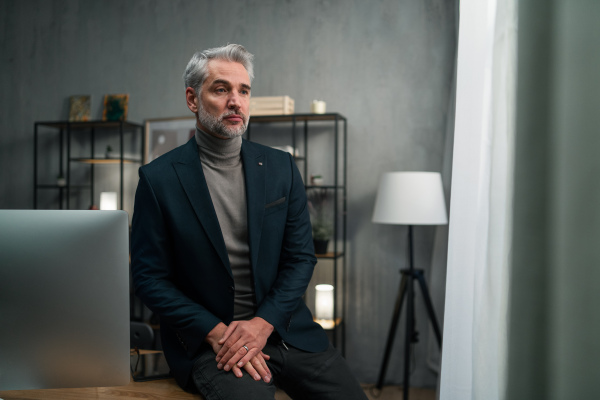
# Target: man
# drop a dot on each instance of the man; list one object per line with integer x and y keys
{"x": 222, "y": 252}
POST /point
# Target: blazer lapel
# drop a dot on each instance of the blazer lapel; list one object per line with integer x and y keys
{"x": 191, "y": 177}
{"x": 255, "y": 164}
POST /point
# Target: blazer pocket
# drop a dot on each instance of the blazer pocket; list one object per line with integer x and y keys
{"x": 275, "y": 203}
{"x": 275, "y": 206}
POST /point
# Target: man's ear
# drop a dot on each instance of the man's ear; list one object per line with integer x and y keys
{"x": 191, "y": 100}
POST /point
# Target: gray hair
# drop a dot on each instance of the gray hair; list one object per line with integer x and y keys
{"x": 197, "y": 69}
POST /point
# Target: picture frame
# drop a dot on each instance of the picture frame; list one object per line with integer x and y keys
{"x": 115, "y": 107}
{"x": 165, "y": 134}
{"x": 79, "y": 108}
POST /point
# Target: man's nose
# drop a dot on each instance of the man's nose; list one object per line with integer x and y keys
{"x": 234, "y": 101}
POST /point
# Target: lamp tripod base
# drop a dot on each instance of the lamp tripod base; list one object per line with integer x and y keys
{"x": 406, "y": 288}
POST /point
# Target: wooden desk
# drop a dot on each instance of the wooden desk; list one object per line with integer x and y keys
{"x": 159, "y": 389}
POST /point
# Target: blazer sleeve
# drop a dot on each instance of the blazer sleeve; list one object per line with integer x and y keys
{"x": 296, "y": 261}
{"x": 153, "y": 273}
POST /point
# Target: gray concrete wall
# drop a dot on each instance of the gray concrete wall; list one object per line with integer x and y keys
{"x": 384, "y": 64}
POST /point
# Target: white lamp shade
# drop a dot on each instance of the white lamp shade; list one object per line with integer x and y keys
{"x": 108, "y": 200}
{"x": 324, "y": 302}
{"x": 410, "y": 198}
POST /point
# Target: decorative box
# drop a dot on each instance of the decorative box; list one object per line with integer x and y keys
{"x": 271, "y": 105}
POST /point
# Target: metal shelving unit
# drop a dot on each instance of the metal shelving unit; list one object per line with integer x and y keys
{"x": 301, "y": 127}
{"x": 65, "y": 131}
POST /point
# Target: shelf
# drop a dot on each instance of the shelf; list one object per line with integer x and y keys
{"x": 330, "y": 255}
{"x": 89, "y": 124}
{"x": 98, "y": 161}
{"x": 328, "y": 324}
{"x": 297, "y": 117}
{"x": 322, "y": 187}
{"x": 51, "y": 187}
{"x": 72, "y": 187}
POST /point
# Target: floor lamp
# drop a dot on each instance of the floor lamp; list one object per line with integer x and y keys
{"x": 409, "y": 198}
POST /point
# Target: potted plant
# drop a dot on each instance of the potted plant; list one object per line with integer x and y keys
{"x": 61, "y": 181}
{"x": 320, "y": 218}
{"x": 316, "y": 180}
{"x": 108, "y": 153}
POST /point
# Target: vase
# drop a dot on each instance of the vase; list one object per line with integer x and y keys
{"x": 320, "y": 246}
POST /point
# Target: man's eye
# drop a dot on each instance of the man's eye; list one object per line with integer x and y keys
{"x": 220, "y": 90}
{"x": 245, "y": 92}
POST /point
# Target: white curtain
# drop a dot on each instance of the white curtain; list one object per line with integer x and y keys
{"x": 475, "y": 321}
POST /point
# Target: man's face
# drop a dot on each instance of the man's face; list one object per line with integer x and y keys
{"x": 222, "y": 108}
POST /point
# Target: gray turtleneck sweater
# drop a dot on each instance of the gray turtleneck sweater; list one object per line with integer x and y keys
{"x": 222, "y": 166}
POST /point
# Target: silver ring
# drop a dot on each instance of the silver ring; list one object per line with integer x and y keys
{"x": 247, "y": 350}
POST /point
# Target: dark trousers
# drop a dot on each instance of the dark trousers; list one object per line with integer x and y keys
{"x": 302, "y": 375}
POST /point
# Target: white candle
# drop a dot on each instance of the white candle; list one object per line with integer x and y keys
{"x": 108, "y": 200}
{"x": 318, "y": 107}
{"x": 324, "y": 302}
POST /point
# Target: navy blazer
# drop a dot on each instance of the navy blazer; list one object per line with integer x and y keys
{"x": 179, "y": 260}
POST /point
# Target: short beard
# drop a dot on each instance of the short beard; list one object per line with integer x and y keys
{"x": 216, "y": 126}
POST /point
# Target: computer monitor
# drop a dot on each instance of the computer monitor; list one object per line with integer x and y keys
{"x": 64, "y": 299}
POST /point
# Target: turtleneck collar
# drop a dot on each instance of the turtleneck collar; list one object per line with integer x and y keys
{"x": 215, "y": 151}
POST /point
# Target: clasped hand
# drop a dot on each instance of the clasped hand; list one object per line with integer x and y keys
{"x": 232, "y": 355}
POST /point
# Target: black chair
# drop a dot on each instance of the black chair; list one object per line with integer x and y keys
{"x": 141, "y": 336}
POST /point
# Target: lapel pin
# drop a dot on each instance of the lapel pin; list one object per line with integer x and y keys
{"x": 260, "y": 163}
